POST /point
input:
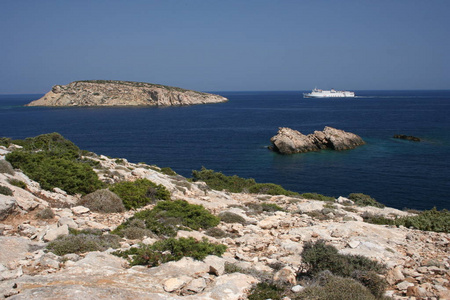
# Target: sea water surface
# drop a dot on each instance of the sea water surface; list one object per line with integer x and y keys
{"x": 233, "y": 137}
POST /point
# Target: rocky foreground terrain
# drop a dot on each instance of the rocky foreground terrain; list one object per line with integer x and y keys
{"x": 418, "y": 262}
{"x": 122, "y": 93}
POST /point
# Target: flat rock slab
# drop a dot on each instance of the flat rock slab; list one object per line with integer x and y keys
{"x": 13, "y": 248}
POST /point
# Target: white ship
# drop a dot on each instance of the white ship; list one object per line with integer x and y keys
{"x": 317, "y": 93}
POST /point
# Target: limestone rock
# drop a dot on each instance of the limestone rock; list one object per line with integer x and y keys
{"x": 122, "y": 93}
{"x": 7, "y": 206}
{"x": 289, "y": 141}
{"x": 174, "y": 284}
{"x": 55, "y": 231}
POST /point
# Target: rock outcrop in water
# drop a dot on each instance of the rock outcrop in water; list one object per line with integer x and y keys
{"x": 406, "y": 137}
{"x": 289, "y": 141}
{"x": 122, "y": 93}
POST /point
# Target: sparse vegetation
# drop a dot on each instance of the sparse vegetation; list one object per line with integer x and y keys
{"x": 216, "y": 233}
{"x": 46, "y": 213}
{"x": 82, "y": 243}
{"x": 315, "y": 196}
{"x": 103, "y": 201}
{"x": 235, "y": 184}
{"x": 257, "y": 208}
{"x": 18, "y": 183}
{"x": 364, "y": 200}
{"x": 53, "y": 161}
{"x": 169, "y": 216}
{"x": 138, "y": 193}
{"x": 4, "y": 190}
{"x": 168, "y": 171}
{"x": 428, "y": 220}
{"x": 230, "y": 217}
{"x": 171, "y": 250}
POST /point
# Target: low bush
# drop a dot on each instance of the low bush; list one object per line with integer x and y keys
{"x": 257, "y": 208}
{"x": 18, "y": 183}
{"x": 171, "y": 250}
{"x": 429, "y": 220}
{"x": 235, "y": 184}
{"x": 264, "y": 290}
{"x": 336, "y": 288}
{"x": 169, "y": 216}
{"x": 318, "y": 257}
{"x": 216, "y": 233}
{"x": 82, "y": 243}
{"x": 315, "y": 196}
{"x": 103, "y": 201}
{"x": 139, "y": 193}
{"x": 6, "y": 167}
{"x": 54, "y": 161}
{"x": 364, "y": 200}
{"x": 4, "y": 190}
{"x": 5, "y": 142}
{"x": 46, "y": 213}
{"x": 230, "y": 217}
{"x": 168, "y": 171}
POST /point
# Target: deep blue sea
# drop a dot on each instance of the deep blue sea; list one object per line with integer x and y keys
{"x": 233, "y": 137}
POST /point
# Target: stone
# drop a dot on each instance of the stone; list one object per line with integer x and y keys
{"x": 54, "y": 232}
{"x": 174, "y": 284}
{"x": 216, "y": 264}
{"x": 297, "y": 288}
{"x": 416, "y": 291}
{"x": 197, "y": 285}
{"x": 353, "y": 244}
{"x": 403, "y": 286}
{"x": 7, "y": 206}
{"x": 395, "y": 275}
{"x": 286, "y": 275}
{"x": 67, "y": 221}
{"x": 78, "y": 210}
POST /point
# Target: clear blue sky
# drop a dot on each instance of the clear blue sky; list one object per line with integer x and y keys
{"x": 226, "y": 45}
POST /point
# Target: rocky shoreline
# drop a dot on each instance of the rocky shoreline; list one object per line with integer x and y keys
{"x": 122, "y": 93}
{"x": 418, "y": 262}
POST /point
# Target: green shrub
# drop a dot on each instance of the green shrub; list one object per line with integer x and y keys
{"x": 46, "y": 213}
{"x": 318, "y": 257}
{"x": 4, "y": 190}
{"x": 18, "y": 183}
{"x": 171, "y": 250}
{"x": 103, "y": 201}
{"x": 235, "y": 184}
{"x": 4, "y": 141}
{"x": 51, "y": 171}
{"x": 315, "y": 196}
{"x": 377, "y": 219}
{"x": 364, "y": 200}
{"x": 138, "y": 193}
{"x": 230, "y": 217}
{"x": 82, "y": 243}
{"x": 263, "y": 291}
{"x": 336, "y": 288}
{"x": 6, "y": 167}
{"x": 169, "y": 216}
{"x": 257, "y": 208}
{"x": 168, "y": 171}
{"x": 429, "y": 220}
{"x": 371, "y": 280}
{"x": 216, "y": 232}
{"x": 53, "y": 161}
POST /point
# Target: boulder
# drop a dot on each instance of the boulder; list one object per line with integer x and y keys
{"x": 406, "y": 137}
{"x": 7, "y": 206}
{"x": 289, "y": 141}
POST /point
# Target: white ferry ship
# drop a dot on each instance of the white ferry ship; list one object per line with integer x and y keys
{"x": 317, "y": 93}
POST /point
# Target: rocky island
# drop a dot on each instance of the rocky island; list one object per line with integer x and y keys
{"x": 137, "y": 231}
{"x": 122, "y": 93}
{"x": 289, "y": 141}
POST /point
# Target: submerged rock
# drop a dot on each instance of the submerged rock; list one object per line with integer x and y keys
{"x": 289, "y": 141}
{"x": 406, "y": 137}
{"x": 122, "y": 93}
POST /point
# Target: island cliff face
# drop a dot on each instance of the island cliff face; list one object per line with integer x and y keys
{"x": 122, "y": 93}
{"x": 289, "y": 141}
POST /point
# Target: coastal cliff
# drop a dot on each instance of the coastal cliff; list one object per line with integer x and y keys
{"x": 122, "y": 93}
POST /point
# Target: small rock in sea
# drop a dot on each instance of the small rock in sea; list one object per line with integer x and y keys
{"x": 406, "y": 137}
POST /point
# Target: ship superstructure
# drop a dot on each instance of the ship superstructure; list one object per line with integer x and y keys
{"x": 318, "y": 93}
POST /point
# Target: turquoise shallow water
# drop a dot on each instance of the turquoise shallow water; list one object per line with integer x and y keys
{"x": 233, "y": 137}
